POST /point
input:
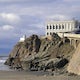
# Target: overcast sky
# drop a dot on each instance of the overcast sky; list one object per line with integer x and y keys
{"x": 19, "y": 17}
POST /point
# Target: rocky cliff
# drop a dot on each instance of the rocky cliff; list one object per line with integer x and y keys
{"x": 74, "y": 65}
{"x": 36, "y": 53}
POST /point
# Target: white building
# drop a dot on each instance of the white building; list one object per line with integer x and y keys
{"x": 22, "y": 39}
{"x": 71, "y": 26}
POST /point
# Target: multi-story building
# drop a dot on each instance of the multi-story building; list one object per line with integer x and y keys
{"x": 71, "y": 26}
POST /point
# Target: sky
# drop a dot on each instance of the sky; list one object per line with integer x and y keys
{"x": 19, "y": 17}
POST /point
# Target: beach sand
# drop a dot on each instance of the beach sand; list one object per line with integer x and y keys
{"x": 21, "y": 75}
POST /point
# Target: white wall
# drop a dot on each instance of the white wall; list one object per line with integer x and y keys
{"x": 69, "y": 26}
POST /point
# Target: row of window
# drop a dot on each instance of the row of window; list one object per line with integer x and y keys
{"x": 55, "y": 27}
{"x": 49, "y": 33}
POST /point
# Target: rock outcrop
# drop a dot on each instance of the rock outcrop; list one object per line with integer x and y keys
{"x": 40, "y": 54}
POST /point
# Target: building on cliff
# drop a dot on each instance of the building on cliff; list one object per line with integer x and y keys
{"x": 71, "y": 26}
{"x": 22, "y": 39}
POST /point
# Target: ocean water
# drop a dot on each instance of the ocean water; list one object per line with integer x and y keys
{"x": 2, "y": 66}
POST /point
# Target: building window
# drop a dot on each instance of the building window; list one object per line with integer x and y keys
{"x": 53, "y": 27}
{"x": 47, "y": 33}
{"x": 47, "y": 27}
{"x": 56, "y": 26}
{"x": 62, "y": 26}
{"x": 50, "y": 26}
{"x": 79, "y": 25}
{"x": 59, "y": 26}
{"x": 76, "y": 25}
{"x": 50, "y": 33}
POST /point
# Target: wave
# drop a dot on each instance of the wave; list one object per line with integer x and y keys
{"x": 2, "y": 66}
{"x": 2, "y": 61}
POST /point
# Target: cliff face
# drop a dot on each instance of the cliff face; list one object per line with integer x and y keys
{"x": 74, "y": 65}
{"x": 38, "y": 53}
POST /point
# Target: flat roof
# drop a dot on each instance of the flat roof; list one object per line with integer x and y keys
{"x": 49, "y": 22}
